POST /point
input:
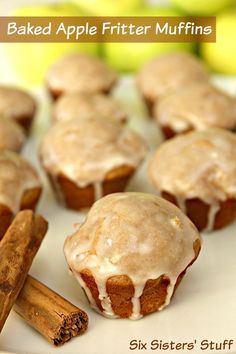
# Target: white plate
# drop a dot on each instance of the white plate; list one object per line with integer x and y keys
{"x": 204, "y": 307}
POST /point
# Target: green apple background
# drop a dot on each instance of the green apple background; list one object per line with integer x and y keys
{"x": 32, "y": 60}
{"x": 130, "y": 56}
{"x": 108, "y": 7}
{"x": 221, "y": 56}
{"x": 202, "y": 7}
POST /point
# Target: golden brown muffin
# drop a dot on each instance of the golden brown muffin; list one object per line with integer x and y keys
{"x": 18, "y": 105}
{"x": 196, "y": 107}
{"x": 83, "y": 105}
{"x": 12, "y": 136}
{"x": 197, "y": 172}
{"x": 167, "y": 74}
{"x": 78, "y": 72}
{"x": 90, "y": 158}
{"x": 20, "y": 187}
{"x": 131, "y": 253}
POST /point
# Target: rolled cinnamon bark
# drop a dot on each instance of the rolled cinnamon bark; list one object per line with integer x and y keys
{"x": 17, "y": 250}
{"x": 49, "y": 313}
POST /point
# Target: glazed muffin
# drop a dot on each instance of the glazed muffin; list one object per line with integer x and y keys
{"x": 18, "y": 105}
{"x": 77, "y": 72}
{"x": 12, "y": 136}
{"x": 91, "y": 158}
{"x": 196, "y": 107}
{"x": 167, "y": 74}
{"x": 197, "y": 172}
{"x": 83, "y": 105}
{"x": 20, "y": 187}
{"x": 131, "y": 253}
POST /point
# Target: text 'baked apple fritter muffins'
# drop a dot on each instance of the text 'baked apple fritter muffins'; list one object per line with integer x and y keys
{"x": 76, "y": 72}
{"x": 18, "y": 105}
{"x": 91, "y": 158}
{"x": 131, "y": 253}
{"x": 167, "y": 74}
{"x": 197, "y": 172}
{"x": 83, "y": 105}
{"x": 198, "y": 106}
{"x": 12, "y": 136}
{"x": 20, "y": 187}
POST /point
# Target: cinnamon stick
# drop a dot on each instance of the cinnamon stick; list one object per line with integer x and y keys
{"x": 17, "y": 250}
{"x": 49, "y": 313}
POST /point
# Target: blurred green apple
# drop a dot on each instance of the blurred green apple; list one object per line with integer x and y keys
{"x": 108, "y": 7}
{"x": 126, "y": 57}
{"x": 220, "y": 56}
{"x": 202, "y": 7}
{"x": 32, "y": 60}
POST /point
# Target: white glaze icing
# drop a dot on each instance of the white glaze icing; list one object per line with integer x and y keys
{"x": 138, "y": 235}
{"x": 181, "y": 203}
{"x": 85, "y": 151}
{"x": 136, "y": 314}
{"x": 198, "y": 106}
{"x": 16, "y": 103}
{"x": 168, "y": 73}
{"x": 199, "y": 164}
{"x": 12, "y": 136}
{"x": 80, "y": 73}
{"x": 81, "y": 105}
{"x": 87, "y": 291}
{"x": 98, "y": 190}
{"x": 59, "y": 194}
{"x": 214, "y": 208}
{"x": 105, "y": 300}
{"x": 169, "y": 294}
{"x": 16, "y": 177}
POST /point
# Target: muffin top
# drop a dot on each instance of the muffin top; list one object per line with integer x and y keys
{"x": 199, "y": 164}
{"x": 80, "y": 73}
{"x": 85, "y": 151}
{"x": 81, "y": 105}
{"x": 168, "y": 73}
{"x": 16, "y": 177}
{"x": 12, "y": 136}
{"x": 16, "y": 103}
{"x": 198, "y": 106}
{"x": 135, "y": 234}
